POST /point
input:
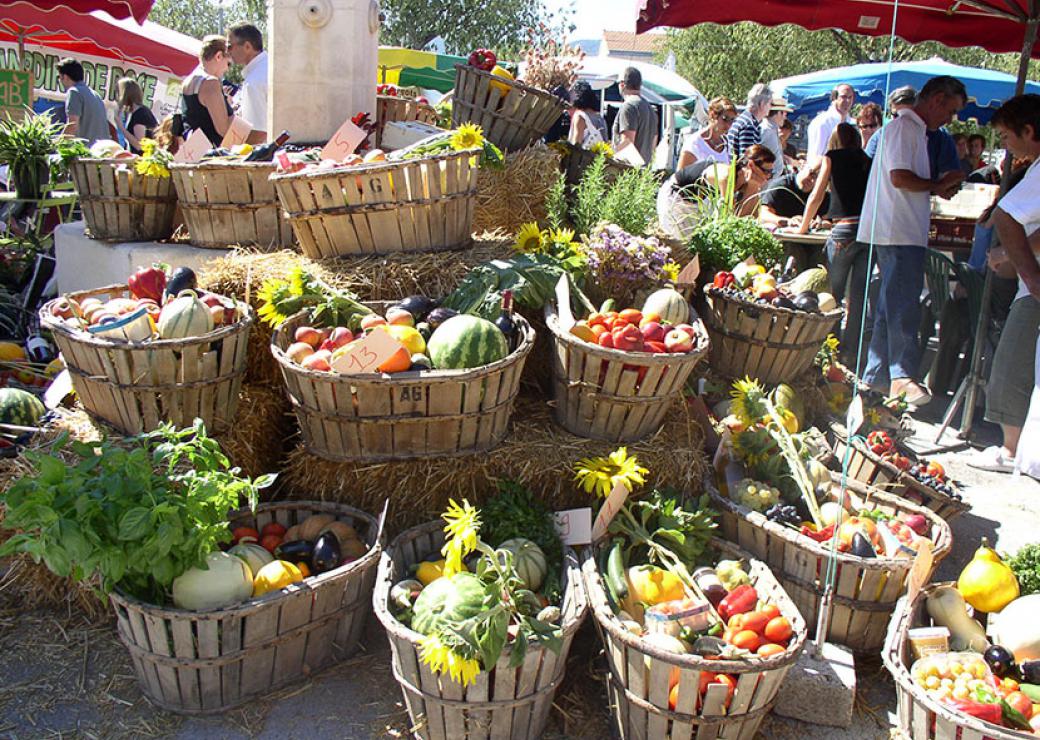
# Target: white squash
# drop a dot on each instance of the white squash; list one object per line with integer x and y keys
{"x": 184, "y": 316}
{"x": 670, "y": 305}
{"x": 225, "y": 581}
{"x": 254, "y": 556}
{"x": 1016, "y": 628}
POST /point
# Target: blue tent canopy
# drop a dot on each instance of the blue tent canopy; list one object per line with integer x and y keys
{"x": 810, "y": 93}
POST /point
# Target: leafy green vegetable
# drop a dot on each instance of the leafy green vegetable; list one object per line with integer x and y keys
{"x": 723, "y": 241}
{"x": 664, "y": 521}
{"x": 134, "y": 514}
{"x": 556, "y": 203}
{"x": 1025, "y": 564}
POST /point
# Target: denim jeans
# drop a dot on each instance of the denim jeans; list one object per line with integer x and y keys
{"x": 894, "y": 350}
{"x": 847, "y": 270}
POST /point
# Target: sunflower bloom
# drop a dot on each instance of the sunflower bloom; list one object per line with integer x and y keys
{"x": 599, "y": 475}
{"x": 467, "y": 136}
{"x": 671, "y": 271}
{"x": 461, "y": 526}
{"x": 153, "y": 161}
{"x": 528, "y": 239}
{"x": 602, "y": 147}
{"x": 441, "y": 658}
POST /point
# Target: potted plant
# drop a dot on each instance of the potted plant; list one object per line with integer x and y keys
{"x": 25, "y": 147}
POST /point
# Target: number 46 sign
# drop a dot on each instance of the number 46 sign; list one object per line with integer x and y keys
{"x": 367, "y": 353}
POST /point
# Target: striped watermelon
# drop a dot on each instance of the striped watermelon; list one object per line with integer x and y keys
{"x": 20, "y": 408}
{"x": 465, "y": 341}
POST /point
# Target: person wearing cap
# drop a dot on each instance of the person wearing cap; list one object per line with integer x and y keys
{"x": 778, "y": 111}
{"x": 820, "y": 129}
{"x": 899, "y": 99}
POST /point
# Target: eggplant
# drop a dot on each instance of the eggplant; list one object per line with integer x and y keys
{"x": 438, "y": 316}
{"x": 1000, "y": 661}
{"x": 425, "y": 330}
{"x": 183, "y": 278}
{"x": 326, "y": 553}
{"x": 807, "y": 301}
{"x": 707, "y": 645}
{"x": 861, "y": 546}
{"x": 295, "y": 551}
{"x": 1030, "y": 670}
{"x": 782, "y": 301}
{"x": 417, "y": 305}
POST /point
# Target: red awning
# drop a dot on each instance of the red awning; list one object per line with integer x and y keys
{"x": 118, "y": 9}
{"x": 98, "y": 34}
{"x": 996, "y": 25}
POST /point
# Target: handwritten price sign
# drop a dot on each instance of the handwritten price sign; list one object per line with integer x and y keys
{"x": 609, "y": 510}
{"x": 367, "y": 353}
{"x": 343, "y": 142}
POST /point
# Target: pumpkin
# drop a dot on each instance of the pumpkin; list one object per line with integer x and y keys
{"x": 253, "y": 554}
{"x": 447, "y": 600}
{"x": 225, "y": 580}
{"x": 670, "y": 305}
{"x": 184, "y": 316}
{"x": 528, "y": 560}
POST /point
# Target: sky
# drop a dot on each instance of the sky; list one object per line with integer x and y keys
{"x": 592, "y": 17}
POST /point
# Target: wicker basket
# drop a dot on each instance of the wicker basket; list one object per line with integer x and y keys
{"x": 866, "y": 590}
{"x": 392, "y": 108}
{"x": 641, "y": 675}
{"x": 920, "y": 716}
{"x": 136, "y": 386}
{"x": 579, "y": 159}
{"x": 504, "y": 702}
{"x": 511, "y": 120}
{"x": 414, "y": 205}
{"x": 227, "y": 203}
{"x": 120, "y": 205}
{"x": 872, "y": 470}
{"x": 407, "y": 415}
{"x": 756, "y": 341}
{"x": 206, "y": 662}
{"x": 615, "y": 395}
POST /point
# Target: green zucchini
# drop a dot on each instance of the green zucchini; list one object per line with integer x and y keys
{"x": 616, "y": 570}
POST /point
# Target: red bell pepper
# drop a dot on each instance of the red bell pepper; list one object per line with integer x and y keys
{"x": 819, "y": 535}
{"x": 986, "y": 712}
{"x": 723, "y": 279}
{"x": 879, "y": 442}
{"x": 740, "y": 600}
{"x": 484, "y": 59}
{"x": 148, "y": 282}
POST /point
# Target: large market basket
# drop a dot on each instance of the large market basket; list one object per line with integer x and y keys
{"x": 504, "y": 702}
{"x": 611, "y": 394}
{"x": 401, "y": 416}
{"x": 231, "y": 203}
{"x": 866, "y": 589}
{"x": 119, "y": 204}
{"x": 873, "y": 470}
{"x": 394, "y": 108}
{"x": 642, "y": 675}
{"x": 135, "y": 386}
{"x": 760, "y": 341}
{"x": 920, "y": 716}
{"x": 204, "y": 662}
{"x": 412, "y": 205}
{"x": 513, "y": 115}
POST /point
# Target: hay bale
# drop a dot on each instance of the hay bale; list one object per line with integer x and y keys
{"x": 509, "y": 197}
{"x": 537, "y": 452}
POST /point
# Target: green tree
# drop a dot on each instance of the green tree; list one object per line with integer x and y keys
{"x": 728, "y": 60}
{"x": 204, "y": 17}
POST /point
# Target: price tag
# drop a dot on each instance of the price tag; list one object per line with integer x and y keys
{"x": 57, "y": 391}
{"x": 609, "y": 510}
{"x": 367, "y": 353}
{"x": 574, "y": 526}
{"x": 237, "y": 133}
{"x": 688, "y": 275}
{"x": 920, "y": 570}
{"x": 854, "y": 419}
{"x": 563, "y": 303}
{"x": 193, "y": 149}
{"x": 343, "y": 142}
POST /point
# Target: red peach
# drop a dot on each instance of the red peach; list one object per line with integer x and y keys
{"x": 299, "y": 351}
{"x": 399, "y": 317}
{"x": 318, "y": 361}
{"x": 652, "y": 331}
{"x": 371, "y": 321}
{"x": 339, "y": 337}
{"x": 308, "y": 334}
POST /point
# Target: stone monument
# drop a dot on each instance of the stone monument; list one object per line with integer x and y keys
{"x": 322, "y": 65}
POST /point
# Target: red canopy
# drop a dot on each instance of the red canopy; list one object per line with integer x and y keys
{"x": 996, "y": 25}
{"x": 98, "y": 34}
{"x": 118, "y": 9}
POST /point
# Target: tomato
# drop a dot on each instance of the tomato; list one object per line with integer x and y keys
{"x": 770, "y": 648}
{"x": 747, "y": 640}
{"x": 273, "y": 528}
{"x": 599, "y": 329}
{"x": 270, "y": 542}
{"x": 736, "y": 622}
{"x": 756, "y": 621}
{"x": 936, "y": 470}
{"x": 605, "y": 340}
{"x": 238, "y": 533}
{"x": 1021, "y": 702}
{"x": 772, "y": 610}
{"x": 778, "y": 630}
{"x": 596, "y": 319}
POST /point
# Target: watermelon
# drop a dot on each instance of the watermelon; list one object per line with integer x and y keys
{"x": 447, "y": 600}
{"x": 464, "y": 342}
{"x": 20, "y": 408}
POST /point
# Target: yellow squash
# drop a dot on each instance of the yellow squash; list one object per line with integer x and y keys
{"x": 987, "y": 583}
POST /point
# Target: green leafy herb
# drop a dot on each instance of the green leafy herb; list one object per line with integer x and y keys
{"x": 556, "y": 203}
{"x": 1025, "y": 564}
{"x": 728, "y": 239}
{"x": 630, "y": 201}
{"x": 665, "y": 528}
{"x": 133, "y": 515}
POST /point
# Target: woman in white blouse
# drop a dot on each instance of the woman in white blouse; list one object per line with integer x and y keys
{"x": 587, "y": 125}
{"x": 710, "y": 142}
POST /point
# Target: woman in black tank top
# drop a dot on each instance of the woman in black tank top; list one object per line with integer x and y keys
{"x": 203, "y": 104}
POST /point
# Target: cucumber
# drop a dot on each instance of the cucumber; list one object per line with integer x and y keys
{"x": 616, "y": 570}
{"x": 1031, "y": 690}
{"x": 612, "y": 601}
{"x": 608, "y": 305}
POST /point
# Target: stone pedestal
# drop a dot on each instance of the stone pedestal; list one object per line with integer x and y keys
{"x": 322, "y": 65}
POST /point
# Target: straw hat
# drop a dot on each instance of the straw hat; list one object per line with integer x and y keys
{"x": 780, "y": 104}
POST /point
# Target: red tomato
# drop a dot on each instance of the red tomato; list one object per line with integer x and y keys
{"x": 756, "y": 621}
{"x": 270, "y": 542}
{"x": 239, "y": 532}
{"x": 772, "y": 610}
{"x": 778, "y": 630}
{"x": 273, "y": 528}
{"x": 1021, "y": 702}
{"x": 632, "y": 315}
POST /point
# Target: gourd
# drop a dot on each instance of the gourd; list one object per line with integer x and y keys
{"x": 1016, "y": 628}
{"x": 184, "y": 316}
{"x": 254, "y": 556}
{"x": 226, "y": 580}
{"x": 314, "y": 525}
{"x": 669, "y": 304}
{"x": 947, "y": 609}
{"x": 528, "y": 560}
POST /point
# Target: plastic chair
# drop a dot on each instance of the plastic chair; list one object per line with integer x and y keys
{"x": 938, "y": 271}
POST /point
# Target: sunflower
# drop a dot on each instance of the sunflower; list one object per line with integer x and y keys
{"x": 440, "y": 658}
{"x": 153, "y": 161}
{"x": 748, "y": 401}
{"x": 467, "y": 136}
{"x": 602, "y": 147}
{"x": 671, "y": 272}
{"x": 601, "y": 474}
{"x": 528, "y": 239}
{"x": 461, "y": 526}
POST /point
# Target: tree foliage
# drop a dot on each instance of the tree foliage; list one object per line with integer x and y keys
{"x": 205, "y": 17}
{"x": 728, "y": 60}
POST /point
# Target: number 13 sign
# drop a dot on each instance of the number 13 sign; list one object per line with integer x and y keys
{"x": 367, "y": 353}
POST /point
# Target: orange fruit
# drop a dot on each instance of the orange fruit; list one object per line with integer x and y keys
{"x": 778, "y": 630}
{"x": 399, "y": 362}
{"x": 769, "y": 648}
{"x": 748, "y": 640}
{"x": 673, "y": 697}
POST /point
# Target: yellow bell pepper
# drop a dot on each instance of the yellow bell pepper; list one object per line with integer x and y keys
{"x": 987, "y": 583}
{"x": 652, "y": 585}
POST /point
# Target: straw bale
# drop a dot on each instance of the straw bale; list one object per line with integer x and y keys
{"x": 256, "y": 441}
{"x": 537, "y": 452}
{"x": 509, "y": 197}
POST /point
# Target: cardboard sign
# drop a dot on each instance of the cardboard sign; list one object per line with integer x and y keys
{"x": 237, "y": 133}
{"x": 609, "y": 510}
{"x": 16, "y": 93}
{"x": 688, "y": 275}
{"x": 193, "y": 149}
{"x": 629, "y": 155}
{"x": 563, "y": 303}
{"x": 343, "y": 142}
{"x": 574, "y": 526}
{"x": 920, "y": 571}
{"x": 58, "y": 390}
{"x": 367, "y": 353}
{"x": 854, "y": 419}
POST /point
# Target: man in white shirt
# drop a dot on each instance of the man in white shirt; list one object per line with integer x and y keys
{"x": 246, "y": 47}
{"x": 820, "y": 129}
{"x": 778, "y": 111}
{"x": 895, "y": 218}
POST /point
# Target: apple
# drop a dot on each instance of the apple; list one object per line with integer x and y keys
{"x": 399, "y": 317}
{"x": 678, "y": 340}
{"x": 308, "y": 334}
{"x": 318, "y": 361}
{"x": 918, "y": 523}
{"x": 686, "y": 328}
{"x": 371, "y": 321}
{"x": 299, "y": 351}
{"x": 63, "y": 308}
{"x": 88, "y": 303}
{"x": 652, "y": 331}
